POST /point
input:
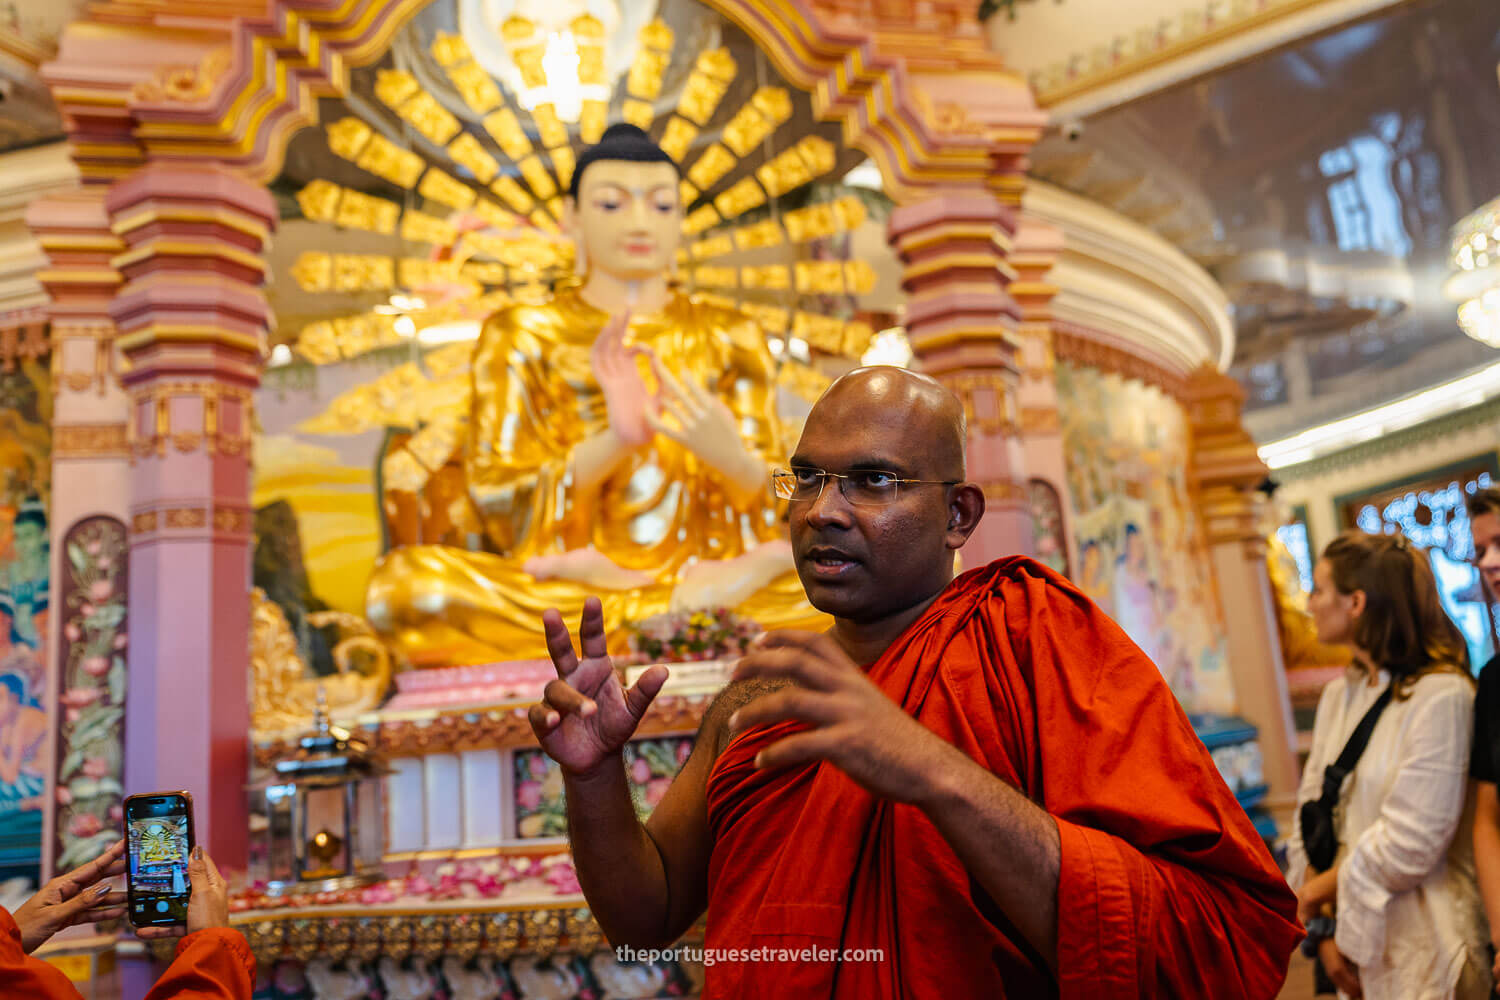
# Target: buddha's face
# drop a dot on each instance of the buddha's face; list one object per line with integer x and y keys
{"x": 628, "y": 219}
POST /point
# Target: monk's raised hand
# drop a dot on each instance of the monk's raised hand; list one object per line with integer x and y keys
{"x": 850, "y": 721}
{"x": 586, "y": 715}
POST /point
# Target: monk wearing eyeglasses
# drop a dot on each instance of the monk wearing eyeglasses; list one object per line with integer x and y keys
{"x": 980, "y": 782}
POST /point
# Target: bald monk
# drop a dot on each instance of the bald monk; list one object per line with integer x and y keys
{"x": 981, "y": 777}
{"x": 212, "y": 963}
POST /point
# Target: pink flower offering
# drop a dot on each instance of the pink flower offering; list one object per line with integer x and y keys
{"x": 656, "y": 789}
{"x": 684, "y": 749}
{"x": 64, "y": 797}
{"x": 377, "y": 894}
{"x": 417, "y": 885}
{"x": 640, "y": 771}
{"x": 121, "y": 641}
{"x": 72, "y": 632}
{"x": 93, "y": 547}
{"x": 95, "y": 666}
{"x": 96, "y": 767}
{"x": 100, "y": 590}
{"x": 489, "y": 886}
{"x": 537, "y": 766}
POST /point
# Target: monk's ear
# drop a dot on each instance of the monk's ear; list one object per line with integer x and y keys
{"x": 965, "y": 508}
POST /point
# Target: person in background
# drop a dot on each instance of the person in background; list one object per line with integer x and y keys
{"x": 213, "y": 962}
{"x": 1402, "y": 891}
{"x": 1484, "y": 767}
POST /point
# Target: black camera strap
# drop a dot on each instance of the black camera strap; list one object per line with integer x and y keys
{"x": 1335, "y": 773}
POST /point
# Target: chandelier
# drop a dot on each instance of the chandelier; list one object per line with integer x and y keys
{"x": 1475, "y": 283}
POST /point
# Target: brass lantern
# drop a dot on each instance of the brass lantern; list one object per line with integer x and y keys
{"x": 316, "y": 819}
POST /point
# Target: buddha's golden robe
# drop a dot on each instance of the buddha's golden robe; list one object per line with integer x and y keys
{"x": 534, "y": 401}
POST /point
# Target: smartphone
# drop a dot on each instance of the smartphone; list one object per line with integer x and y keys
{"x": 158, "y": 840}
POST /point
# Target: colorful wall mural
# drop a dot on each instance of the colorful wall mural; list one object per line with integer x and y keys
{"x": 1141, "y": 551}
{"x": 25, "y": 560}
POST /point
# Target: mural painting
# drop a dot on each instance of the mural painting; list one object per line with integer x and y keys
{"x": 1141, "y": 551}
{"x": 25, "y": 493}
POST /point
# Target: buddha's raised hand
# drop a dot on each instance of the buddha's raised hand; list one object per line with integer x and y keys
{"x": 625, "y": 397}
{"x": 586, "y": 715}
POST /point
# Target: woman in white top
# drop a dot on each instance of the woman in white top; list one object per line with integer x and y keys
{"x": 1409, "y": 925}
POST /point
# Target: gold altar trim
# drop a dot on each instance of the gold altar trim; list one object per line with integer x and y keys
{"x": 553, "y": 845}
{"x": 143, "y": 523}
{"x": 90, "y": 441}
{"x": 463, "y": 928}
{"x": 503, "y": 726}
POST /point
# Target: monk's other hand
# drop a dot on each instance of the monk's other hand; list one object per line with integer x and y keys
{"x": 1341, "y": 972}
{"x": 209, "y": 904}
{"x": 586, "y": 715}
{"x": 851, "y": 723}
{"x": 81, "y": 896}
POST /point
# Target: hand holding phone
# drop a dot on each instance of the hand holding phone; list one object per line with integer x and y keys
{"x": 209, "y": 905}
{"x": 81, "y": 896}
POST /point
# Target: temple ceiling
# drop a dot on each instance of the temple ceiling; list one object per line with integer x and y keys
{"x": 1319, "y": 184}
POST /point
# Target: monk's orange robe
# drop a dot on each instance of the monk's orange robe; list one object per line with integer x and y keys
{"x": 1165, "y": 890}
{"x": 213, "y": 964}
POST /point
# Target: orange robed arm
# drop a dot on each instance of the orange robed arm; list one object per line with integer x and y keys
{"x": 213, "y": 964}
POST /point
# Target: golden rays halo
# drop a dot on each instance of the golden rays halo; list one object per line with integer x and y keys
{"x": 474, "y": 179}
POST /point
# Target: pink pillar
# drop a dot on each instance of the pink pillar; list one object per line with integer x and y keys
{"x": 191, "y": 318}
{"x": 90, "y": 481}
{"x": 961, "y": 320}
{"x": 1036, "y": 248}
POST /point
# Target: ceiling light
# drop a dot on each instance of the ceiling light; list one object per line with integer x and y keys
{"x": 1457, "y": 394}
{"x": 1475, "y": 285}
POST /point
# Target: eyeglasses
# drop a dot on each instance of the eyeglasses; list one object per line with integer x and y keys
{"x": 861, "y": 487}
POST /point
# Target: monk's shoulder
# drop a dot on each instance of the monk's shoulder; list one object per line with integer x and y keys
{"x": 714, "y": 730}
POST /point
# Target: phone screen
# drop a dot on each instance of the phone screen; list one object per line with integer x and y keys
{"x": 158, "y": 836}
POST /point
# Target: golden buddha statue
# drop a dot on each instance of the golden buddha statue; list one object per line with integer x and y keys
{"x": 1300, "y": 648}
{"x": 620, "y": 441}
